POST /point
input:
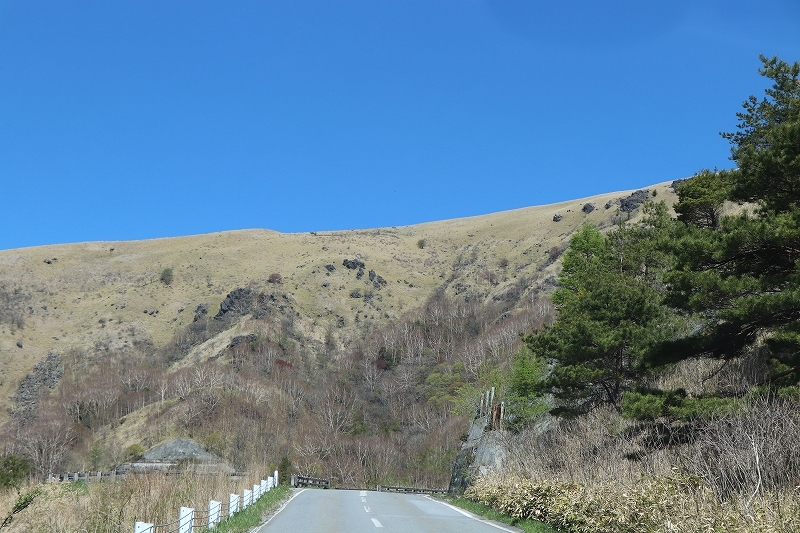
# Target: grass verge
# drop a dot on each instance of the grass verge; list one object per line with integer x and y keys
{"x": 528, "y": 526}
{"x": 244, "y": 521}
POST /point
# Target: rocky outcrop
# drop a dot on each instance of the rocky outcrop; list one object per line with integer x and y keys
{"x": 557, "y": 218}
{"x": 238, "y": 302}
{"x": 587, "y": 208}
{"x": 353, "y": 264}
{"x": 241, "y": 339}
{"x": 200, "y": 313}
{"x": 632, "y": 202}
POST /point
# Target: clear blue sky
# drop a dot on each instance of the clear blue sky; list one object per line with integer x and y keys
{"x": 139, "y": 119}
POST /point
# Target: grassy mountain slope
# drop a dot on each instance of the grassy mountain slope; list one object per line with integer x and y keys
{"x": 107, "y": 297}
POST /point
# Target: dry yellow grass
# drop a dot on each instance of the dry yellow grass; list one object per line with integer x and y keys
{"x": 96, "y": 294}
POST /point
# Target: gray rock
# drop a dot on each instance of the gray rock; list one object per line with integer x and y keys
{"x": 200, "y": 313}
{"x": 360, "y": 273}
{"x": 353, "y": 264}
{"x": 632, "y": 202}
{"x": 237, "y": 302}
{"x": 330, "y": 268}
{"x": 557, "y": 218}
{"x": 372, "y": 275}
{"x": 239, "y": 339}
{"x": 587, "y": 208}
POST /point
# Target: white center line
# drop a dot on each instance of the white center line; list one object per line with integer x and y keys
{"x": 363, "y": 493}
{"x": 363, "y": 499}
{"x": 377, "y": 524}
{"x": 366, "y": 508}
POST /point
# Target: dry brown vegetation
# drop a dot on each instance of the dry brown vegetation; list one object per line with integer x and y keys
{"x": 346, "y": 372}
{"x": 114, "y": 507}
{"x": 738, "y": 471}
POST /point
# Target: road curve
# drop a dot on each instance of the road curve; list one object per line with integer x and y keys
{"x": 352, "y": 511}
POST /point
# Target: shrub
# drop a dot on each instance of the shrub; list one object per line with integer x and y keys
{"x": 166, "y": 276}
{"x": 12, "y": 470}
{"x": 274, "y": 278}
{"x": 421, "y": 243}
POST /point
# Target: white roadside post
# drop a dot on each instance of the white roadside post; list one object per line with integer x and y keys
{"x": 142, "y": 527}
{"x": 275, "y": 479}
{"x": 247, "y": 498}
{"x": 233, "y": 504}
{"x": 186, "y": 520}
{"x": 214, "y": 509}
{"x": 264, "y": 486}
{"x": 256, "y": 492}
{"x": 270, "y": 483}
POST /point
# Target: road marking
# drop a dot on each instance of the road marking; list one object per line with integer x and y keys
{"x": 366, "y": 508}
{"x": 363, "y": 500}
{"x": 296, "y": 494}
{"x": 377, "y": 524}
{"x": 362, "y": 493}
{"x": 470, "y": 515}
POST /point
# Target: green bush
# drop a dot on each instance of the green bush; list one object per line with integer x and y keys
{"x": 12, "y": 470}
{"x": 166, "y": 276}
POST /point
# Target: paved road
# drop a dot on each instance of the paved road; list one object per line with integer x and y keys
{"x": 352, "y": 511}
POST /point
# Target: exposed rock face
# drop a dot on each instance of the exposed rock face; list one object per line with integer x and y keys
{"x": 557, "y": 218}
{"x": 632, "y": 202}
{"x": 330, "y": 268}
{"x": 587, "y": 208}
{"x": 44, "y": 376}
{"x": 239, "y": 301}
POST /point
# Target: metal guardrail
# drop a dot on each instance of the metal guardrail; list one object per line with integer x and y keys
{"x": 410, "y": 490}
{"x": 87, "y": 477}
{"x": 306, "y": 481}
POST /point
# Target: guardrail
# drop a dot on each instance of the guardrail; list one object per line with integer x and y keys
{"x": 112, "y": 475}
{"x": 410, "y": 490}
{"x": 306, "y": 481}
{"x": 189, "y": 519}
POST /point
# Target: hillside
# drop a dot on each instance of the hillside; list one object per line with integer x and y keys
{"x": 102, "y": 305}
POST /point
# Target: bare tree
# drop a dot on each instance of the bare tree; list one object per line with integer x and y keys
{"x": 46, "y": 442}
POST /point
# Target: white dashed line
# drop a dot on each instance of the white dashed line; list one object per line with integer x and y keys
{"x": 377, "y": 524}
{"x": 364, "y": 500}
{"x": 366, "y": 508}
{"x": 362, "y": 493}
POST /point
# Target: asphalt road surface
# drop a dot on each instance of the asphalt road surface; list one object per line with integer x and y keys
{"x": 352, "y": 511}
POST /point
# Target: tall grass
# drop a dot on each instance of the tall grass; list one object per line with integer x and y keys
{"x": 737, "y": 472}
{"x": 113, "y": 507}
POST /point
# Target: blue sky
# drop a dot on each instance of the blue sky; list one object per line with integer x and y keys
{"x": 138, "y": 119}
